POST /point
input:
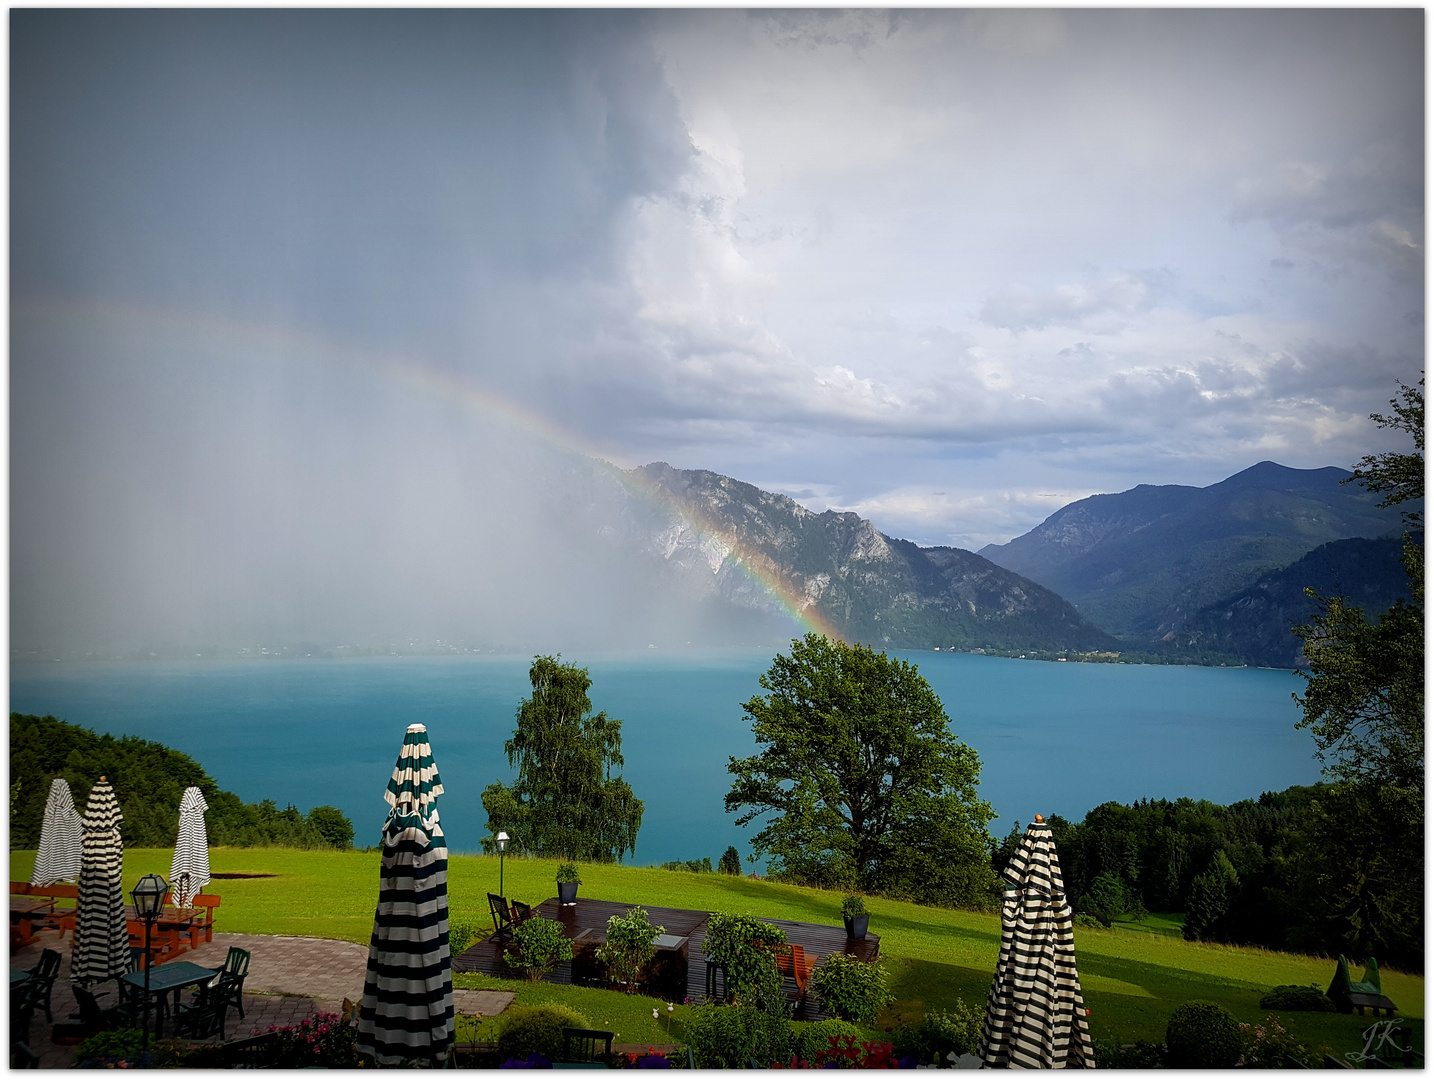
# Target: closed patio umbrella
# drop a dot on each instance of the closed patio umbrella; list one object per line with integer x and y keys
{"x": 101, "y": 937}
{"x": 1035, "y": 1015}
{"x": 62, "y": 838}
{"x": 189, "y": 869}
{"x": 407, "y": 1008}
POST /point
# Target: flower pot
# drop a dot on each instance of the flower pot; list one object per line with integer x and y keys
{"x": 856, "y": 925}
{"x": 568, "y": 892}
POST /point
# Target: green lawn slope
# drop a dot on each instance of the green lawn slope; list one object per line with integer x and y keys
{"x": 1133, "y": 979}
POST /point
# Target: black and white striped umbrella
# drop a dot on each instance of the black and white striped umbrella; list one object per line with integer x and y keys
{"x": 62, "y": 838}
{"x": 407, "y": 1008}
{"x": 1035, "y": 1015}
{"x": 189, "y": 869}
{"x": 101, "y": 938}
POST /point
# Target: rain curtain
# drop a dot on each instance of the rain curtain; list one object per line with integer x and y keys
{"x": 101, "y": 934}
{"x": 1035, "y": 1015}
{"x": 407, "y": 1008}
{"x": 189, "y": 870}
{"x": 62, "y": 838}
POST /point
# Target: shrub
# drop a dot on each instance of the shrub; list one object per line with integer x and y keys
{"x": 461, "y": 934}
{"x": 322, "y": 1040}
{"x": 813, "y": 1039}
{"x": 537, "y": 1029}
{"x": 567, "y": 872}
{"x": 1297, "y": 999}
{"x": 851, "y": 988}
{"x": 538, "y": 947}
{"x": 1136, "y": 1055}
{"x": 852, "y": 905}
{"x": 695, "y": 866}
{"x": 629, "y": 947}
{"x": 940, "y": 1032}
{"x": 108, "y": 1048}
{"x": 724, "y": 1038}
{"x": 1107, "y": 896}
{"x": 741, "y": 944}
{"x": 1203, "y": 1035}
{"x": 1089, "y": 922}
{"x": 1269, "y": 1046}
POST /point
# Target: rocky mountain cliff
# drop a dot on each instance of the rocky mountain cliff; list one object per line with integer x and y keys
{"x": 722, "y": 539}
{"x": 1142, "y": 562}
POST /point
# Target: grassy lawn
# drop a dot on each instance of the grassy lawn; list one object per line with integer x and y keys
{"x": 1133, "y": 975}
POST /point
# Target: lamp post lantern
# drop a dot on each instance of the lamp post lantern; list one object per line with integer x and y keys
{"x": 502, "y": 847}
{"x": 148, "y": 897}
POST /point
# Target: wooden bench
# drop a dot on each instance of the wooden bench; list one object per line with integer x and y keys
{"x": 45, "y": 911}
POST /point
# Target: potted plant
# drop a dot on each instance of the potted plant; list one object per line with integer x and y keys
{"x": 568, "y": 883}
{"x": 854, "y": 915}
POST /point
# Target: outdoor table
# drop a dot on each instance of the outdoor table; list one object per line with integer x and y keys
{"x": 18, "y": 976}
{"x": 25, "y": 911}
{"x": 172, "y": 977}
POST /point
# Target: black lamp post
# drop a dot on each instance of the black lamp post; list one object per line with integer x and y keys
{"x": 502, "y": 847}
{"x": 148, "y": 896}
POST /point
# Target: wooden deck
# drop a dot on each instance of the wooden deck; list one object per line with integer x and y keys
{"x": 679, "y": 970}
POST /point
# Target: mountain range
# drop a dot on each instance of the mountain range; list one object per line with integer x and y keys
{"x": 1170, "y": 570}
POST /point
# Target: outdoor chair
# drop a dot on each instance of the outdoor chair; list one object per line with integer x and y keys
{"x": 580, "y": 1044}
{"x": 521, "y": 912}
{"x": 96, "y": 1019}
{"x": 792, "y": 960}
{"x": 259, "y": 1052}
{"x": 231, "y": 978}
{"x": 204, "y": 1017}
{"x": 42, "y": 976}
{"x": 502, "y": 918}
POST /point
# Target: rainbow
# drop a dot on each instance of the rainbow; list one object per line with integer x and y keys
{"x": 450, "y": 389}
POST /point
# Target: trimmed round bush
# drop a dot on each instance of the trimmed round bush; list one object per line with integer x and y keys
{"x": 851, "y": 988}
{"x": 812, "y": 1039}
{"x": 1203, "y": 1035}
{"x": 1297, "y": 999}
{"x": 538, "y": 1029}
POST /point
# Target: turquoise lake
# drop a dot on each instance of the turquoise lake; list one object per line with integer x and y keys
{"x": 1052, "y": 737}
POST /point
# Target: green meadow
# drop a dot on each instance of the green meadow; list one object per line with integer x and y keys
{"x": 1133, "y": 975}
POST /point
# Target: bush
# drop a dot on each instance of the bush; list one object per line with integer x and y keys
{"x": 1136, "y": 1055}
{"x": 1297, "y": 999}
{"x": 1203, "y": 1035}
{"x": 1270, "y": 1046}
{"x": 813, "y": 1039}
{"x": 108, "y": 1048}
{"x": 538, "y": 947}
{"x": 629, "y": 947}
{"x": 724, "y": 1037}
{"x": 461, "y": 934}
{"x": 322, "y": 1040}
{"x": 940, "y": 1032}
{"x": 694, "y": 866}
{"x": 537, "y": 1029}
{"x": 851, "y": 988}
{"x": 741, "y": 945}
{"x": 330, "y": 823}
{"x": 1089, "y": 922}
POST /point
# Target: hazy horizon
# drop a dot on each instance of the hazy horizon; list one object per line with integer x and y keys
{"x": 316, "y": 315}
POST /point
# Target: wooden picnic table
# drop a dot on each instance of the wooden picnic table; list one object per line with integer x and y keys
{"x": 25, "y": 913}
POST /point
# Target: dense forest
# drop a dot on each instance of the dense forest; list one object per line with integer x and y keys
{"x": 148, "y": 779}
{"x": 1255, "y": 872}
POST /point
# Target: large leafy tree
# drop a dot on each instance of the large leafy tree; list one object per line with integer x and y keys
{"x": 1360, "y": 878}
{"x": 566, "y": 802}
{"x": 860, "y": 779}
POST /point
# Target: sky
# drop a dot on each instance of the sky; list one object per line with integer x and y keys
{"x": 297, "y": 297}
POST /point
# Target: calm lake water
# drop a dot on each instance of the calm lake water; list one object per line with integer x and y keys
{"x": 1052, "y": 737}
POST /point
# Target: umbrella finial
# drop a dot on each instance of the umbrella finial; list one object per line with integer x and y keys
{"x": 102, "y": 780}
{"x": 1039, "y": 819}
